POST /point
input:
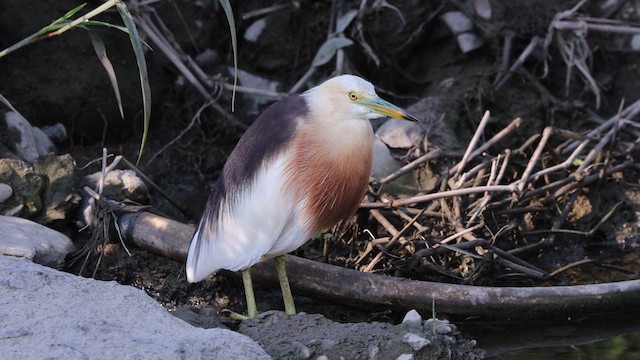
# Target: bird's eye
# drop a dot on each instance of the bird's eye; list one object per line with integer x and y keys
{"x": 353, "y": 95}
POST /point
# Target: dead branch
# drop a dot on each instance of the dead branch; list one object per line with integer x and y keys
{"x": 351, "y": 287}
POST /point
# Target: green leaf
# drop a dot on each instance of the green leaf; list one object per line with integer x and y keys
{"x": 136, "y": 43}
{"x": 234, "y": 44}
{"x": 55, "y": 25}
{"x": 328, "y": 50}
{"x": 98, "y": 46}
{"x": 73, "y": 11}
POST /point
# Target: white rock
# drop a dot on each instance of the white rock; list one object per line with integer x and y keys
{"x": 468, "y": 42}
{"x": 30, "y": 240}
{"x": 45, "y": 313}
{"x": 412, "y": 319}
{"x": 457, "y": 22}
{"x": 462, "y": 27}
{"x": 635, "y": 42}
{"x": 255, "y": 30}
{"x": 405, "y": 357}
{"x": 5, "y": 192}
{"x": 416, "y": 342}
{"x": 33, "y": 142}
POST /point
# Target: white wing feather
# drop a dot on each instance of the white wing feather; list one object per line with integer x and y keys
{"x": 262, "y": 221}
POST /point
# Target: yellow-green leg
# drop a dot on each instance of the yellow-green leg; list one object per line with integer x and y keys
{"x": 289, "y": 306}
{"x": 252, "y": 309}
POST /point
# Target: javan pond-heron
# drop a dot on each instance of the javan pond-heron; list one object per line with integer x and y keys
{"x": 301, "y": 167}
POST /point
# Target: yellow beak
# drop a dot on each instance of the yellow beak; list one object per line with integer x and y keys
{"x": 386, "y": 108}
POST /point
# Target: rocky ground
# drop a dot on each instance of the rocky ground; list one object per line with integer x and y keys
{"x": 53, "y": 314}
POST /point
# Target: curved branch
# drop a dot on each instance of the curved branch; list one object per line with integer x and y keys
{"x": 350, "y": 287}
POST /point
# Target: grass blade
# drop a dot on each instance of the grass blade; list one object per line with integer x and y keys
{"x": 226, "y": 5}
{"x": 138, "y": 50}
{"x": 101, "y": 52}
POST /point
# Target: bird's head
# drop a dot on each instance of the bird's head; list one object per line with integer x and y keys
{"x": 354, "y": 97}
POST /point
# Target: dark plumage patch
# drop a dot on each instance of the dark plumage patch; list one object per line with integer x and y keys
{"x": 268, "y": 134}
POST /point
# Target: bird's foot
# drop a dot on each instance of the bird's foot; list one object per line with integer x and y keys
{"x": 234, "y": 315}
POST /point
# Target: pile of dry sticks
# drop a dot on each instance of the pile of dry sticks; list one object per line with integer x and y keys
{"x": 493, "y": 211}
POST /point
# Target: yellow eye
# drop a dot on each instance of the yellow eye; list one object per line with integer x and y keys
{"x": 353, "y": 96}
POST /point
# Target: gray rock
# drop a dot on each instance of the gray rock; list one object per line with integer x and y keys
{"x": 25, "y": 238}
{"x": 57, "y": 133}
{"x": 370, "y": 340}
{"x": 383, "y": 162}
{"x": 5, "y": 192}
{"x": 440, "y": 121}
{"x": 412, "y": 320}
{"x": 28, "y": 141}
{"x": 60, "y": 198}
{"x": 27, "y": 187}
{"x": 405, "y": 357}
{"x": 401, "y": 134}
{"x": 373, "y": 352}
{"x": 120, "y": 185}
{"x": 443, "y": 329}
{"x": 302, "y": 352}
{"x": 45, "y": 313}
{"x": 416, "y": 342}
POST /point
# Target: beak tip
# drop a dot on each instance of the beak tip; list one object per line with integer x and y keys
{"x": 412, "y": 118}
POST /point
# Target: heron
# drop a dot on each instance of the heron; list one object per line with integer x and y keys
{"x": 301, "y": 167}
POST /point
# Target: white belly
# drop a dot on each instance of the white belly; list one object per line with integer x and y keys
{"x": 262, "y": 222}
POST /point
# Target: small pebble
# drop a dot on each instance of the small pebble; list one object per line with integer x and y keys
{"x": 405, "y": 357}
{"x": 322, "y": 357}
{"x": 449, "y": 340}
{"x": 302, "y": 351}
{"x": 443, "y": 329}
{"x": 430, "y": 325}
{"x": 5, "y": 192}
{"x": 416, "y": 342}
{"x": 328, "y": 344}
{"x": 373, "y": 352}
{"x": 412, "y": 320}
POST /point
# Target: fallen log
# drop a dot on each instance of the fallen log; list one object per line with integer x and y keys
{"x": 170, "y": 239}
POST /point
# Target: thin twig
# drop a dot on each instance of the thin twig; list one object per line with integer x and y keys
{"x": 391, "y": 242}
{"x": 546, "y": 133}
{"x": 194, "y": 118}
{"x": 440, "y": 195}
{"x": 499, "y": 82}
{"x": 433, "y": 154}
{"x": 472, "y": 145}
